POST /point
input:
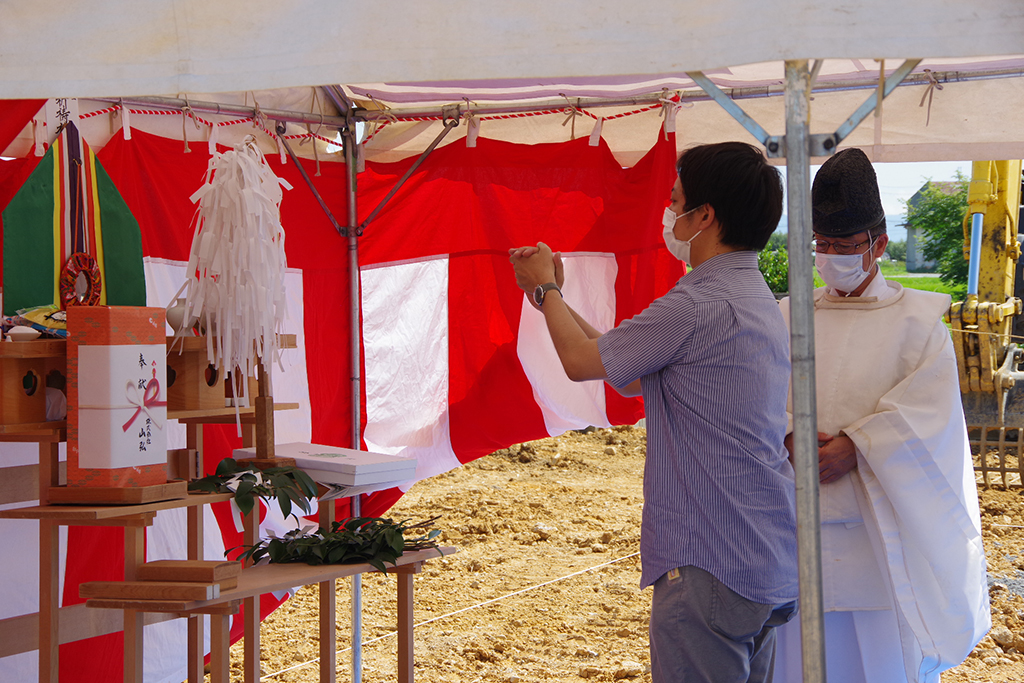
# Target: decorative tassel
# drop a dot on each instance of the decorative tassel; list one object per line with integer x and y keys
{"x": 595, "y": 135}
{"x": 39, "y": 132}
{"x": 212, "y": 140}
{"x": 126, "y": 125}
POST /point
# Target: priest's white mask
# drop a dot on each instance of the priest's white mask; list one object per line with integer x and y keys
{"x": 842, "y": 272}
{"x": 677, "y": 247}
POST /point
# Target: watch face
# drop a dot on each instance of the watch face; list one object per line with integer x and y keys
{"x": 538, "y": 295}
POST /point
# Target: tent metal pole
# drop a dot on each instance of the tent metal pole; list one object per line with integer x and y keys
{"x": 805, "y": 419}
{"x": 692, "y": 95}
{"x": 309, "y": 183}
{"x": 221, "y": 109}
{"x": 726, "y": 102}
{"x": 871, "y": 104}
{"x": 349, "y": 136}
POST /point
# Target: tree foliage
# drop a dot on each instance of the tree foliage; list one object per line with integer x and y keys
{"x": 774, "y": 266}
{"x": 897, "y": 250}
{"x": 778, "y": 241}
{"x": 938, "y": 211}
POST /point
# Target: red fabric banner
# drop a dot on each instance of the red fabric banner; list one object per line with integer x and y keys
{"x": 14, "y": 114}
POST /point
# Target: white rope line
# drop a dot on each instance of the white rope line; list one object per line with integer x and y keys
{"x": 988, "y": 334}
{"x": 459, "y": 611}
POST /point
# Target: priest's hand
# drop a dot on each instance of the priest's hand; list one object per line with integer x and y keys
{"x": 822, "y": 438}
{"x": 836, "y": 457}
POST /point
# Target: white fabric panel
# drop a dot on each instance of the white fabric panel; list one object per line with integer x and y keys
{"x": 292, "y": 386}
{"x": 405, "y": 342}
{"x": 163, "y": 280}
{"x": 23, "y": 668}
{"x": 198, "y": 46}
{"x": 590, "y": 290}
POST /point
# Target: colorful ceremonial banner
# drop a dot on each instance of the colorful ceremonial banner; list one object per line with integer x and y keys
{"x": 69, "y": 221}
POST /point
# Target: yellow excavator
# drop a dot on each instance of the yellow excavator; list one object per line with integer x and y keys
{"x": 988, "y": 328}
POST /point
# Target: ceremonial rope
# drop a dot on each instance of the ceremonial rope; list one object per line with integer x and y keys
{"x": 386, "y": 118}
{"x": 198, "y": 119}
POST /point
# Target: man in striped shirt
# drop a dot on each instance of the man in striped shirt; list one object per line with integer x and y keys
{"x": 711, "y": 359}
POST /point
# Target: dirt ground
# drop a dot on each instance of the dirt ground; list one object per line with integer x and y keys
{"x": 545, "y": 584}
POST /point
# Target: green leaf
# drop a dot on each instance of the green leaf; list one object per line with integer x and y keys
{"x": 227, "y": 466}
{"x": 306, "y": 483}
{"x": 244, "y": 502}
{"x": 204, "y": 485}
{"x": 286, "y": 504}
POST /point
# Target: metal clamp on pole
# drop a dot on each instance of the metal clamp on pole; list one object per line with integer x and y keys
{"x": 822, "y": 145}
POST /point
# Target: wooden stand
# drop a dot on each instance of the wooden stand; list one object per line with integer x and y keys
{"x": 128, "y": 612}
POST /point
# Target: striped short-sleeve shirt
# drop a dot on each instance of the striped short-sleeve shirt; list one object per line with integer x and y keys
{"x": 712, "y": 356}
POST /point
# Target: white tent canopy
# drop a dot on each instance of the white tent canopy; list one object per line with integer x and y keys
{"x": 419, "y": 54}
{"x": 119, "y": 48}
{"x": 947, "y": 109}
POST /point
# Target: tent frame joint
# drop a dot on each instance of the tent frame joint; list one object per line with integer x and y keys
{"x": 280, "y": 129}
{"x": 822, "y": 145}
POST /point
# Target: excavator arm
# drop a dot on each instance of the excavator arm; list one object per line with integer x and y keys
{"x": 988, "y": 355}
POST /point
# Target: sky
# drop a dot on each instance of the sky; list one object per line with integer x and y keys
{"x": 898, "y": 182}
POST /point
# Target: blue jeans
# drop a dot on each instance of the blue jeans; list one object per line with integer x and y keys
{"x": 701, "y": 630}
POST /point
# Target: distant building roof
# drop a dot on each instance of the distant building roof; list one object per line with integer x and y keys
{"x": 945, "y": 186}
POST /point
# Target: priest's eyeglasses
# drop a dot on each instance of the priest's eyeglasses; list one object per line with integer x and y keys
{"x": 844, "y": 248}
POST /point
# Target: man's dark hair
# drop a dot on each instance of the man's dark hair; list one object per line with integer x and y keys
{"x": 737, "y": 181}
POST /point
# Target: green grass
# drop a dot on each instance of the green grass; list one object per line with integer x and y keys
{"x": 897, "y": 272}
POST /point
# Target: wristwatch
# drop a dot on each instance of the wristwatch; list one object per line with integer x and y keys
{"x": 542, "y": 290}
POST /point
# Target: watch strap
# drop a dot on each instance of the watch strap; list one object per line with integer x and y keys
{"x": 542, "y": 291}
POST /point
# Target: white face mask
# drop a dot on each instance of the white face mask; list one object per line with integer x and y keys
{"x": 677, "y": 247}
{"x": 842, "y": 272}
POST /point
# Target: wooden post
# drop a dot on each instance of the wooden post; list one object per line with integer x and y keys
{"x": 251, "y": 606}
{"x": 49, "y": 566}
{"x": 220, "y": 642}
{"x": 405, "y": 621}
{"x": 264, "y": 417}
{"x": 194, "y": 531}
{"x": 328, "y": 610}
{"x": 134, "y": 555}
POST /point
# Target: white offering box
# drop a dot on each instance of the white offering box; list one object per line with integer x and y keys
{"x": 344, "y": 466}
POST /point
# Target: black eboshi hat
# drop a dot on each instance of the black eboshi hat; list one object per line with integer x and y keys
{"x": 844, "y": 196}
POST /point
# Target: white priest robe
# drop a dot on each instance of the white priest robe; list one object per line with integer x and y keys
{"x": 903, "y": 565}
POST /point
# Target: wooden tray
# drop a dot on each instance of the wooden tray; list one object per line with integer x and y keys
{"x": 204, "y": 571}
{"x": 113, "y": 495}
